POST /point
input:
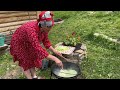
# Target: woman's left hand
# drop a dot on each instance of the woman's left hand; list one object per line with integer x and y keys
{"x": 57, "y": 53}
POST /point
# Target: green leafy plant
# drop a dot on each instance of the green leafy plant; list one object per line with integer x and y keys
{"x": 72, "y": 40}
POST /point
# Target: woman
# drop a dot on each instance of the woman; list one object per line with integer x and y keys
{"x": 25, "y": 44}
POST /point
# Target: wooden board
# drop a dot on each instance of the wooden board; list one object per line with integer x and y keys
{"x": 15, "y": 19}
{"x": 25, "y": 13}
{"x": 14, "y": 23}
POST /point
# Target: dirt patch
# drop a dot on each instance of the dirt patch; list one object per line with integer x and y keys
{"x": 14, "y": 74}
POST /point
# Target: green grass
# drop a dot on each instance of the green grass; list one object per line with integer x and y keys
{"x": 103, "y": 56}
{"x": 103, "y": 60}
{"x": 6, "y": 64}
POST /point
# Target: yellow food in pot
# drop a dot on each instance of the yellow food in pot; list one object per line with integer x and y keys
{"x": 67, "y": 73}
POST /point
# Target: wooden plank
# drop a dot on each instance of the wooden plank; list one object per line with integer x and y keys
{"x": 14, "y": 23}
{"x": 10, "y": 19}
{"x": 9, "y": 28}
{"x": 17, "y": 14}
{"x": 32, "y": 12}
{"x": 26, "y": 18}
{"x": 8, "y": 32}
{"x": 13, "y": 19}
{"x": 3, "y": 12}
{"x": 4, "y": 15}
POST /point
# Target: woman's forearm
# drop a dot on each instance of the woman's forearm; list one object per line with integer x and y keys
{"x": 56, "y": 60}
{"x": 51, "y": 57}
{"x": 51, "y": 48}
{"x": 55, "y": 51}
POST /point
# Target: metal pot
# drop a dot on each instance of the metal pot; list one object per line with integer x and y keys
{"x": 66, "y": 65}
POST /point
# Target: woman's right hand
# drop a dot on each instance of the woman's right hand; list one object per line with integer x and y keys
{"x": 59, "y": 63}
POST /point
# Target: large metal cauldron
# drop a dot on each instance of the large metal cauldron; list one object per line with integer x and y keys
{"x": 66, "y": 65}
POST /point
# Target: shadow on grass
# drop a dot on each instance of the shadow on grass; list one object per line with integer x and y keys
{"x": 101, "y": 42}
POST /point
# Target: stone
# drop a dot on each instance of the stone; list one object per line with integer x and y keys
{"x": 3, "y": 47}
{"x": 79, "y": 51}
{"x": 83, "y": 47}
{"x": 81, "y": 57}
{"x": 2, "y": 52}
{"x": 58, "y": 21}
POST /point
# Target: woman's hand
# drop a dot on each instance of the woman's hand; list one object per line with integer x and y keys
{"x": 59, "y": 63}
{"x": 57, "y": 53}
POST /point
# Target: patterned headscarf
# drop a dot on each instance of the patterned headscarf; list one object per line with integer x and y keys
{"x": 46, "y": 19}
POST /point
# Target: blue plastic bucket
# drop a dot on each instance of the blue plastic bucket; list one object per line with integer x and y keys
{"x": 2, "y": 40}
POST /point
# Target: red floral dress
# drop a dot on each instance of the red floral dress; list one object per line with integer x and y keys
{"x": 25, "y": 45}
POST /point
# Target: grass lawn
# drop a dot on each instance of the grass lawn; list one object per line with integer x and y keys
{"x": 103, "y": 60}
